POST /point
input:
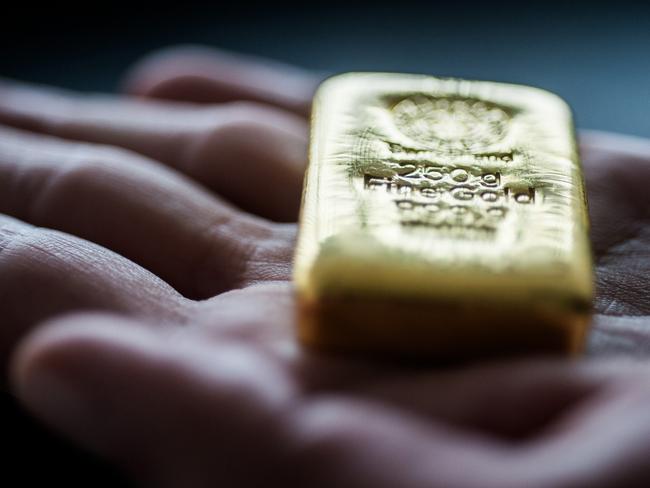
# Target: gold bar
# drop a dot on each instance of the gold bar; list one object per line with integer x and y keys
{"x": 443, "y": 219}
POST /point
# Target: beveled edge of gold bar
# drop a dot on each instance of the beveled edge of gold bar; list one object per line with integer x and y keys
{"x": 426, "y": 331}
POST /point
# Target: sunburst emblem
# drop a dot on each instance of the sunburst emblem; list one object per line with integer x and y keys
{"x": 451, "y": 125}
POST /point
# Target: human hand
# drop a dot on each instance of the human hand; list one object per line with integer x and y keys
{"x": 186, "y": 373}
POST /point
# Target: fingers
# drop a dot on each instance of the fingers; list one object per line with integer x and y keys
{"x": 608, "y": 435}
{"x": 183, "y": 414}
{"x": 509, "y": 400}
{"x": 578, "y": 425}
{"x": 263, "y": 317}
{"x": 207, "y": 75}
{"x": 45, "y": 273}
{"x": 226, "y": 408}
{"x": 147, "y": 213}
{"x": 180, "y": 413}
{"x": 250, "y": 154}
{"x": 621, "y": 336}
{"x": 189, "y": 413}
{"x": 617, "y": 169}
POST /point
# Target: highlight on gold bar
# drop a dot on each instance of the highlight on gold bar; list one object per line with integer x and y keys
{"x": 442, "y": 218}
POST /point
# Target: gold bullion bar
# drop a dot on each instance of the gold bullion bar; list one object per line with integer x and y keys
{"x": 442, "y": 218}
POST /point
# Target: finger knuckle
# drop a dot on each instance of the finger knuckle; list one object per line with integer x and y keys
{"x": 87, "y": 170}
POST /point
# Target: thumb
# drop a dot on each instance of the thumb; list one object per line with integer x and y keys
{"x": 163, "y": 410}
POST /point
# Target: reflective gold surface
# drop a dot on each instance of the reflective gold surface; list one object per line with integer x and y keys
{"x": 442, "y": 218}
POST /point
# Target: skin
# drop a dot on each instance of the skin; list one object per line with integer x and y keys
{"x": 147, "y": 312}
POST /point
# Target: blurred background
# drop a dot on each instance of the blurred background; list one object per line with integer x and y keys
{"x": 594, "y": 54}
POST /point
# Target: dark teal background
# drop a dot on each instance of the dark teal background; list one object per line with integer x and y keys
{"x": 594, "y": 54}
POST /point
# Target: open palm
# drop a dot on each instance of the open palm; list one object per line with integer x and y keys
{"x": 148, "y": 311}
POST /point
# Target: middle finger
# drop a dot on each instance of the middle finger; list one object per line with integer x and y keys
{"x": 138, "y": 208}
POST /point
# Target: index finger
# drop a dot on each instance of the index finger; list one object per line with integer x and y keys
{"x": 208, "y": 75}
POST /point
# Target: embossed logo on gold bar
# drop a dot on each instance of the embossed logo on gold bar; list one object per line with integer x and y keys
{"x": 451, "y": 124}
{"x": 445, "y": 179}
